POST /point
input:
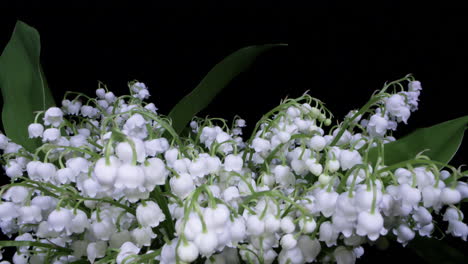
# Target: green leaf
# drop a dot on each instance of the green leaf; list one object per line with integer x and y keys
{"x": 436, "y": 251}
{"x": 218, "y": 78}
{"x": 24, "y": 87}
{"x": 441, "y": 142}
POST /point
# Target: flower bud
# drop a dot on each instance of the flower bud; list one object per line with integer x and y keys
{"x": 288, "y": 241}
{"x": 287, "y": 224}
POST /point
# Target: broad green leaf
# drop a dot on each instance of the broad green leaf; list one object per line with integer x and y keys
{"x": 218, "y": 78}
{"x": 23, "y": 84}
{"x": 435, "y": 251}
{"x": 441, "y": 142}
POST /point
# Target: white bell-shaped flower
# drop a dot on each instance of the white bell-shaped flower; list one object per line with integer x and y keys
{"x": 96, "y": 250}
{"x": 377, "y": 126}
{"x": 261, "y": 144}
{"x": 238, "y": 230}
{"x": 287, "y": 224}
{"x": 344, "y": 256}
{"x": 73, "y": 108}
{"x": 168, "y": 252}
{"x": 346, "y": 206}
{"x": 124, "y": 150}
{"x": 78, "y": 165}
{"x": 46, "y": 203}
{"x": 349, "y": 158}
{"x": 272, "y": 223}
{"x": 156, "y": 146}
{"x": 230, "y": 193}
{"x": 65, "y": 175}
{"x": 314, "y": 167}
{"x": 404, "y": 234}
{"x": 326, "y": 202}
{"x": 106, "y": 173}
{"x": 187, "y": 251}
{"x": 431, "y": 197}
{"x": 307, "y": 225}
{"x": 206, "y": 243}
{"x": 310, "y": 248}
{"x": 450, "y": 196}
{"x": 452, "y": 214}
{"x": 233, "y": 163}
{"x": 422, "y": 216}
{"x": 16, "y": 194}
{"x": 198, "y": 167}
{"x": 29, "y": 214}
{"x": 288, "y": 241}
{"x": 403, "y": 176}
{"x": 182, "y": 185}
{"x": 283, "y": 175}
{"x": 396, "y": 106}
{"x": 213, "y": 164}
{"x": 89, "y": 111}
{"x": 135, "y": 126}
{"x": 181, "y": 165}
{"x": 370, "y": 225}
{"x": 342, "y": 224}
{"x": 299, "y": 167}
{"x": 327, "y": 234}
{"x": 13, "y": 169}
{"x": 79, "y": 223}
{"x": 103, "y": 229}
{"x": 155, "y": 172}
{"x": 291, "y": 256}
{"x": 117, "y": 239}
{"x": 59, "y": 219}
{"x": 149, "y": 214}
{"x": 333, "y": 165}
{"x": 255, "y": 226}
{"x": 35, "y": 130}
{"x": 126, "y": 250}
{"x": 21, "y": 257}
{"x": 317, "y": 143}
{"x": 409, "y": 195}
{"x": 50, "y": 135}
{"x": 130, "y": 177}
{"x": 426, "y": 231}
{"x": 221, "y": 215}
{"x": 458, "y": 229}
{"x": 143, "y": 236}
{"x": 53, "y": 116}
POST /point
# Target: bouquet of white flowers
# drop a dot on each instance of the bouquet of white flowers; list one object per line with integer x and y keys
{"x": 108, "y": 179}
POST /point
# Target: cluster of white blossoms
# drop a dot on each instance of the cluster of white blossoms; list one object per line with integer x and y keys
{"x": 113, "y": 183}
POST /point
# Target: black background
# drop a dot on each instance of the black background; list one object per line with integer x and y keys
{"x": 340, "y": 55}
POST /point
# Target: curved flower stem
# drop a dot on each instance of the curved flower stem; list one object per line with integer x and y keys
{"x": 34, "y": 244}
{"x": 162, "y": 202}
